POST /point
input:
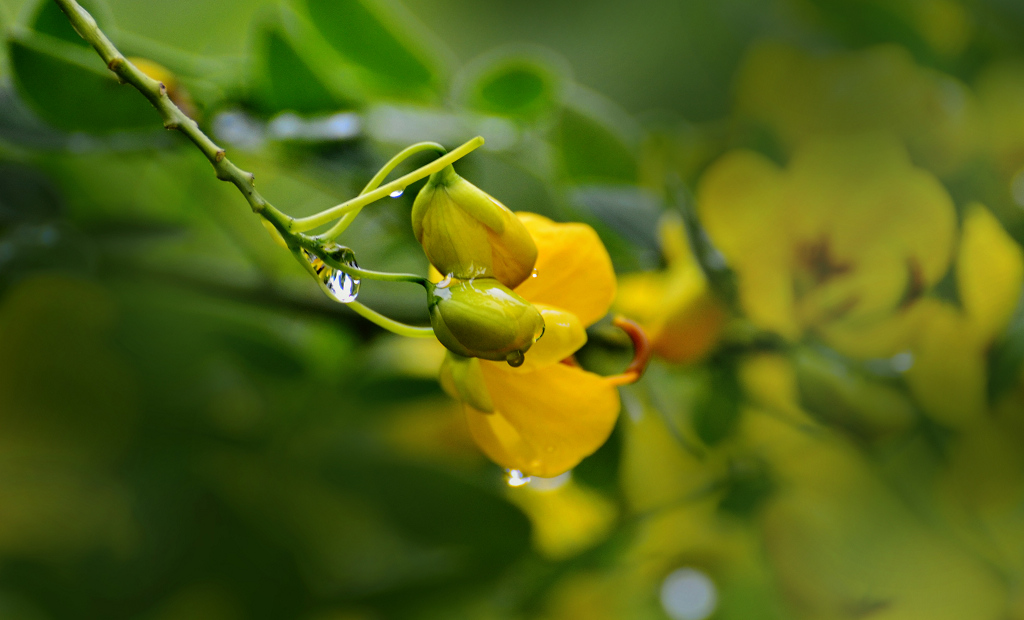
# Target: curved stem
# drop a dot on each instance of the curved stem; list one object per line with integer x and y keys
{"x": 390, "y": 324}
{"x": 303, "y": 224}
{"x": 377, "y": 179}
{"x": 357, "y": 272}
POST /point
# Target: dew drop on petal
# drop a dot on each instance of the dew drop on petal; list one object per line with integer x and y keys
{"x": 688, "y": 594}
{"x": 445, "y": 282}
{"x": 550, "y": 484}
{"x": 338, "y": 284}
{"x": 515, "y": 359}
{"x": 515, "y": 478}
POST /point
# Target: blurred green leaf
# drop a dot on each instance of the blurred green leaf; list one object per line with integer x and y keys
{"x": 592, "y": 151}
{"x": 717, "y": 410}
{"x": 1006, "y": 358}
{"x": 842, "y": 395}
{"x": 747, "y": 486}
{"x": 363, "y": 32}
{"x": 288, "y": 77}
{"x": 485, "y": 532}
{"x": 26, "y": 195}
{"x": 70, "y": 89}
{"x": 48, "y": 19}
{"x": 520, "y": 86}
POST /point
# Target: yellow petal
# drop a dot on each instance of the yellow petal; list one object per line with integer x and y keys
{"x": 564, "y": 334}
{"x": 949, "y": 375}
{"x": 883, "y": 338}
{"x": 989, "y": 271}
{"x": 573, "y": 270}
{"x": 545, "y": 422}
{"x": 739, "y": 204}
{"x": 566, "y": 520}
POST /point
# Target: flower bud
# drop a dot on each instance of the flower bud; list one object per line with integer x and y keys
{"x": 468, "y": 234}
{"x": 483, "y": 318}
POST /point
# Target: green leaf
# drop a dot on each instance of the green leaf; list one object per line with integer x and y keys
{"x": 519, "y": 86}
{"x": 593, "y": 147}
{"x": 843, "y": 395}
{"x": 717, "y": 410}
{"x": 288, "y": 82}
{"x": 390, "y": 58}
{"x": 290, "y": 74}
{"x": 1006, "y": 359}
{"x": 70, "y": 89}
{"x": 48, "y": 19}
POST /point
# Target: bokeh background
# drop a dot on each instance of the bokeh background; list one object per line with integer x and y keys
{"x": 815, "y": 208}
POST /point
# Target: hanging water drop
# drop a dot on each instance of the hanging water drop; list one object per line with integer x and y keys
{"x": 336, "y": 283}
{"x": 397, "y": 193}
{"x": 515, "y": 478}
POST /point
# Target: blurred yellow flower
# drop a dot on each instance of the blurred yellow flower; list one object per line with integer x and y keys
{"x": 949, "y": 376}
{"x": 801, "y": 95}
{"x": 835, "y": 243}
{"x": 843, "y": 544}
{"x": 567, "y": 518}
{"x": 546, "y": 416}
{"x": 681, "y": 315}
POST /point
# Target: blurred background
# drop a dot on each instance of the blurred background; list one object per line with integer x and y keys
{"x": 815, "y": 207}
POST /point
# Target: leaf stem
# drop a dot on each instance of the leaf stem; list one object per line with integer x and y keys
{"x": 377, "y": 179}
{"x": 357, "y": 203}
{"x": 390, "y": 324}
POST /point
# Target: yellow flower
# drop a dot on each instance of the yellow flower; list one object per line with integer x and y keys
{"x": 847, "y": 234}
{"x": 801, "y": 95}
{"x": 949, "y": 376}
{"x": 681, "y": 315}
{"x": 546, "y": 416}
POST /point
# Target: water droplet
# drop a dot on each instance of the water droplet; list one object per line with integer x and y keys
{"x": 515, "y": 478}
{"x": 338, "y": 284}
{"x": 688, "y": 594}
{"x": 550, "y": 484}
{"x": 515, "y": 359}
{"x": 445, "y": 282}
{"x": 397, "y": 193}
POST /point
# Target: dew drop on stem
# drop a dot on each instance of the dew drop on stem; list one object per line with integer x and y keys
{"x": 339, "y": 285}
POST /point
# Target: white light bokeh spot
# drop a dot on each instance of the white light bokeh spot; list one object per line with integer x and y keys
{"x": 688, "y": 594}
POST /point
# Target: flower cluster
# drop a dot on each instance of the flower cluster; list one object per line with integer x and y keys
{"x": 517, "y": 294}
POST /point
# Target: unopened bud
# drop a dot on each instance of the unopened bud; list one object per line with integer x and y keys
{"x": 483, "y": 318}
{"x": 468, "y": 234}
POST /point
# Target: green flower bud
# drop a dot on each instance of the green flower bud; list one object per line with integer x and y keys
{"x": 463, "y": 380}
{"x": 468, "y": 234}
{"x": 483, "y": 318}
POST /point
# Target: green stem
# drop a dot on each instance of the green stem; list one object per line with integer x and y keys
{"x": 308, "y": 223}
{"x": 390, "y": 324}
{"x": 377, "y": 179}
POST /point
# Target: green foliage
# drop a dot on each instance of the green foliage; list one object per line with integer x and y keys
{"x": 70, "y": 89}
{"x": 391, "y": 61}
